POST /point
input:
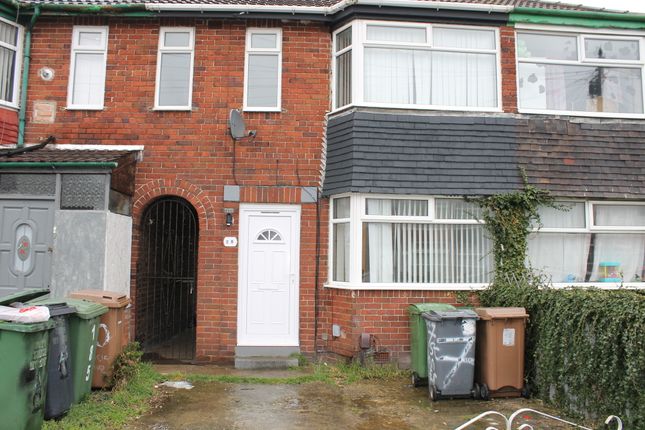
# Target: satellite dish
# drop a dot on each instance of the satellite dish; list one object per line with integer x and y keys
{"x": 236, "y": 125}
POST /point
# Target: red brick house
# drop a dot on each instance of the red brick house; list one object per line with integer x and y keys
{"x": 337, "y": 203}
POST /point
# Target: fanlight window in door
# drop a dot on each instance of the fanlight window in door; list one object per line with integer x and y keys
{"x": 269, "y": 235}
{"x": 23, "y": 260}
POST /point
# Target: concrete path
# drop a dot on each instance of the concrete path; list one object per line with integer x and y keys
{"x": 317, "y": 405}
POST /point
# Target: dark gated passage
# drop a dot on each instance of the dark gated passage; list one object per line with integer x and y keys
{"x": 166, "y": 282}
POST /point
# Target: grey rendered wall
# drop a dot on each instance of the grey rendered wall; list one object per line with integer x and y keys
{"x": 117, "y": 253}
{"x": 78, "y": 259}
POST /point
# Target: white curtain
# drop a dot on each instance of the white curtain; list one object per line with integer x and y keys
{"x": 464, "y": 79}
{"x": 562, "y": 256}
{"x": 380, "y": 243}
{"x": 400, "y": 76}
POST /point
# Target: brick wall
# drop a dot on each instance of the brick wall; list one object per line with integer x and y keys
{"x": 8, "y": 126}
{"x": 509, "y": 76}
{"x": 190, "y": 154}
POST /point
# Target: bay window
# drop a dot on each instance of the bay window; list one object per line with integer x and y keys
{"x": 601, "y": 243}
{"x": 383, "y": 242}
{"x": 10, "y": 40}
{"x": 573, "y": 73}
{"x": 416, "y": 66}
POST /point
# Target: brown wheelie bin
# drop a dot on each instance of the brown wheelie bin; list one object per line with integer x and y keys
{"x": 499, "y": 357}
{"x": 114, "y": 332}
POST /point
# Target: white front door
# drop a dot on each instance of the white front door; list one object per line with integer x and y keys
{"x": 267, "y": 313}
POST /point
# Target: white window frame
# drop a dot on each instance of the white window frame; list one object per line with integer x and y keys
{"x": 14, "y": 102}
{"x": 162, "y": 49}
{"x": 274, "y": 52}
{"x": 582, "y": 34}
{"x": 104, "y": 30}
{"x": 360, "y": 42}
{"x": 591, "y": 228}
{"x": 356, "y": 219}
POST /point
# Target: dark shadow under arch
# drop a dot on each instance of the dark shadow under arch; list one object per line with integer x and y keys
{"x": 166, "y": 293}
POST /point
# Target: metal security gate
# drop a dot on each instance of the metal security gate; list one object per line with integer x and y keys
{"x": 166, "y": 283}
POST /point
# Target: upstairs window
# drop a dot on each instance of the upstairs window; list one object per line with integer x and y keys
{"x": 569, "y": 73}
{"x": 175, "y": 68}
{"x": 263, "y": 69}
{"x": 413, "y": 65}
{"x": 87, "y": 69}
{"x": 10, "y": 39}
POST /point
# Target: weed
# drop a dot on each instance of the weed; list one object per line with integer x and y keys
{"x": 126, "y": 364}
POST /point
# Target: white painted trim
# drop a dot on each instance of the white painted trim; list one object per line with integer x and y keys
{"x": 294, "y": 213}
{"x": 162, "y": 49}
{"x": 76, "y": 49}
{"x": 572, "y": 29}
{"x": 15, "y": 101}
{"x": 277, "y": 51}
{"x": 477, "y": 287}
{"x": 328, "y": 10}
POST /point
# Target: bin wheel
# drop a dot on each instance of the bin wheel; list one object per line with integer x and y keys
{"x": 476, "y": 391}
{"x": 484, "y": 393}
{"x": 434, "y": 394}
{"x": 526, "y": 392}
{"x": 416, "y": 380}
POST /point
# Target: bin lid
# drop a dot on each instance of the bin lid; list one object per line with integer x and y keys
{"x": 85, "y": 309}
{"x": 111, "y": 299}
{"x": 449, "y": 314}
{"x": 27, "y": 328}
{"x": 23, "y": 296}
{"x": 501, "y": 313}
{"x": 419, "y": 308}
{"x": 57, "y": 309}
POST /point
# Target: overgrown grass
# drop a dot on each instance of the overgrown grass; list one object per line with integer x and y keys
{"x": 112, "y": 409}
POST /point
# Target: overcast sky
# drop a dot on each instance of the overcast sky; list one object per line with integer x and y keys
{"x": 630, "y": 5}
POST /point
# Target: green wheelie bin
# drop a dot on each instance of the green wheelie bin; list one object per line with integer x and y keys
{"x": 23, "y": 370}
{"x": 83, "y": 335}
{"x": 419, "y": 339}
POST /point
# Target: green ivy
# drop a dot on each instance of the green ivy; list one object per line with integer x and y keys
{"x": 585, "y": 348}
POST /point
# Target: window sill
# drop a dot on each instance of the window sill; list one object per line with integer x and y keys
{"x": 608, "y": 115}
{"x": 172, "y": 108}
{"x": 407, "y": 287}
{"x": 84, "y": 107}
{"x": 7, "y": 105}
{"x": 257, "y": 109}
{"x": 417, "y": 108}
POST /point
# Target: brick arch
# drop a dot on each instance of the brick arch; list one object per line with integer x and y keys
{"x": 151, "y": 190}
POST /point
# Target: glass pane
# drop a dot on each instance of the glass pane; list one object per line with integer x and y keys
{"x": 28, "y": 184}
{"x": 612, "y": 49}
{"x": 468, "y": 80}
{"x": 340, "y": 270}
{"x": 400, "y": 76}
{"x": 344, "y": 39}
{"x": 89, "y": 80}
{"x": 396, "y": 207}
{"x": 463, "y": 38}
{"x": 386, "y": 33}
{"x": 262, "y": 85}
{"x": 264, "y": 40}
{"x": 7, "y": 76}
{"x": 580, "y": 88}
{"x": 425, "y": 253}
{"x": 456, "y": 209}
{"x": 90, "y": 39}
{"x": 83, "y": 192}
{"x": 619, "y": 215}
{"x": 561, "y": 256}
{"x": 551, "y": 46}
{"x": 341, "y": 208}
{"x": 571, "y": 216}
{"x": 8, "y": 33}
{"x": 23, "y": 259}
{"x": 584, "y": 257}
{"x": 176, "y": 39}
{"x": 174, "y": 80}
{"x": 344, "y": 79}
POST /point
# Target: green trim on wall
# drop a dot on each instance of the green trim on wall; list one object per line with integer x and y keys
{"x": 577, "y": 18}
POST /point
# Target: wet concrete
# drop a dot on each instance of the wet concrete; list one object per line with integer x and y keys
{"x": 317, "y": 405}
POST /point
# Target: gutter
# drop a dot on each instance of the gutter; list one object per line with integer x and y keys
{"x": 22, "y": 115}
{"x": 593, "y": 19}
{"x": 59, "y": 164}
{"x": 324, "y": 10}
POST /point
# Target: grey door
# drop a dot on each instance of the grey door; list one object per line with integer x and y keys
{"x": 25, "y": 244}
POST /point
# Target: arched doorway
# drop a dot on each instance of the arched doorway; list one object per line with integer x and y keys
{"x": 167, "y": 280}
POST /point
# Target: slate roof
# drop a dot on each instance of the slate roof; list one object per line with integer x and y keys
{"x": 320, "y": 3}
{"x": 480, "y": 155}
{"x": 47, "y": 155}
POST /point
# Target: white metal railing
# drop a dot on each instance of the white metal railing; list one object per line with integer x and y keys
{"x": 511, "y": 424}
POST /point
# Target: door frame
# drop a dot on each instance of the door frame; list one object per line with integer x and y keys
{"x": 269, "y": 210}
